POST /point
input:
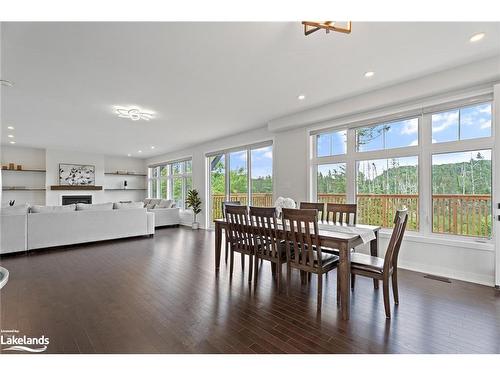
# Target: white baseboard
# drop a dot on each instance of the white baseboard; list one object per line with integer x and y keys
{"x": 449, "y": 273}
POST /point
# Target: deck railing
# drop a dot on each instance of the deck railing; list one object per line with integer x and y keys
{"x": 462, "y": 214}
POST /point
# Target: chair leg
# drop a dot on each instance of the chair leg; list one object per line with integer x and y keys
{"x": 231, "y": 263}
{"x": 242, "y": 261}
{"x": 256, "y": 276}
{"x": 387, "y": 306}
{"x": 278, "y": 275}
{"x": 288, "y": 279}
{"x": 309, "y": 276}
{"x": 353, "y": 280}
{"x": 320, "y": 290}
{"x": 250, "y": 269}
{"x": 273, "y": 270}
{"x": 338, "y": 287}
{"x": 395, "y": 287}
{"x": 227, "y": 250}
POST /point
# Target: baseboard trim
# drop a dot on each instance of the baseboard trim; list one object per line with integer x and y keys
{"x": 451, "y": 274}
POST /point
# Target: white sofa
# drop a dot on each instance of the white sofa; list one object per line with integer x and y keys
{"x": 58, "y": 226}
{"x": 73, "y": 227}
{"x": 13, "y": 233}
{"x": 166, "y": 214}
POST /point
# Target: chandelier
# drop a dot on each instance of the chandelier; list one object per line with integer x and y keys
{"x": 311, "y": 27}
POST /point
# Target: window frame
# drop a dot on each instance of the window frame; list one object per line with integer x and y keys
{"x": 423, "y": 151}
{"x": 227, "y": 168}
{"x": 168, "y": 179}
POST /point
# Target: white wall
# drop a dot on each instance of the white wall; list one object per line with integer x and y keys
{"x": 118, "y": 163}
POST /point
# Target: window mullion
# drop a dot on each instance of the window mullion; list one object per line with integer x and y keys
{"x": 425, "y": 174}
{"x": 351, "y": 166}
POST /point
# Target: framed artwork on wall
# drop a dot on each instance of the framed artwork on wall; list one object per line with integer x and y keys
{"x": 76, "y": 174}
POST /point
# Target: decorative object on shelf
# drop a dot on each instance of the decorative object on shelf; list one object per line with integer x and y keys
{"x": 193, "y": 201}
{"x": 284, "y": 203}
{"x": 311, "y": 27}
{"x": 12, "y": 202}
{"x": 125, "y": 184}
{"x": 11, "y": 166}
{"x": 4, "y": 167}
{"x": 76, "y": 174}
{"x": 19, "y": 167}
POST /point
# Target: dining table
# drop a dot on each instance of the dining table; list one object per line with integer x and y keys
{"x": 342, "y": 237}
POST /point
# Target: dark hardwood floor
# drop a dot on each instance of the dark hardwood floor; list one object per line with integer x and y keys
{"x": 160, "y": 295}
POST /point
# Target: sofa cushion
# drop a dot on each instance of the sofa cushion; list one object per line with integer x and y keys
{"x": 119, "y": 206}
{"x": 99, "y": 206}
{"x": 36, "y": 209}
{"x": 20, "y": 209}
{"x": 165, "y": 203}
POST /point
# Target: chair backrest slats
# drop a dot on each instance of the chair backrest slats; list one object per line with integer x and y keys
{"x": 240, "y": 233}
{"x": 391, "y": 255}
{"x": 315, "y": 206}
{"x": 263, "y": 221}
{"x": 302, "y": 237}
{"x": 228, "y": 203}
{"x": 335, "y": 213}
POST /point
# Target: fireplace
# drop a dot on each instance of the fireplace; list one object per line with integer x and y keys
{"x": 70, "y": 199}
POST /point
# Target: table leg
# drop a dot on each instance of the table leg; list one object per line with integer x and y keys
{"x": 345, "y": 280}
{"x": 218, "y": 245}
{"x": 374, "y": 253}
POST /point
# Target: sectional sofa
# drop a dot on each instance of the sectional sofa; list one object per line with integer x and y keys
{"x": 27, "y": 228}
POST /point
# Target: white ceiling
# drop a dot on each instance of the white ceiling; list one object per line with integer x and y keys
{"x": 203, "y": 80}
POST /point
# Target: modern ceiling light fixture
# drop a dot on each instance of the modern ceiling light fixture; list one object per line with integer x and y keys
{"x": 152, "y": 147}
{"x": 12, "y": 142}
{"x": 301, "y": 97}
{"x": 5, "y": 82}
{"x": 140, "y": 151}
{"x": 10, "y": 127}
{"x": 369, "y": 74}
{"x": 134, "y": 114}
{"x": 311, "y": 27}
{"x": 10, "y": 136}
{"x": 477, "y": 37}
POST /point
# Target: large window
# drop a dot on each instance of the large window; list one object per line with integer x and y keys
{"x": 171, "y": 181}
{"x": 244, "y": 175}
{"x": 443, "y": 156}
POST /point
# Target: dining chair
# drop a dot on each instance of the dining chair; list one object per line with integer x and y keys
{"x": 303, "y": 248}
{"x": 315, "y": 206}
{"x": 337, "y": 212}
{"x": 224, "y": 204}
{"x": 240, "y": 236}
{"x": 383, "y": 268}
{"x": 267, "y": 242}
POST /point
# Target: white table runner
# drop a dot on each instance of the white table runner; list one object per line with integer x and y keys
{"x": 366, "y": 235}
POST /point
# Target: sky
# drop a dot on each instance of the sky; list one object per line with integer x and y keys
{"x": 262, "y": 161}
{"x": 466, "y": 123}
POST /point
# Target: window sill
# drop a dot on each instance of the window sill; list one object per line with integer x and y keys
{"x": 445, "y": 240}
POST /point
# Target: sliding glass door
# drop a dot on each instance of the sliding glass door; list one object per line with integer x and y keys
{"x": 243, "y": 175}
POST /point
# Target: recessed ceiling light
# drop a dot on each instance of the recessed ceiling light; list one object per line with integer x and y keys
{"x": 140, "y": 151}
{"x": 477, "y": 37}
{"x": 10, "y": 127}
{"x": 369, "y": 74}
{"x": 152, "y": 147}
{"x": 129, "y": 155}
{"x": 4, "y": 82}
{"x": 134, "y": 113}
{"x": 301, "y": 97}
{"x": 12, "y": 142}
{"x": 10, "y": 136}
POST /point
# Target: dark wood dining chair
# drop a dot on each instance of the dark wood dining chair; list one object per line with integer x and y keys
{"x": 303, "y": 248}
{"x": 224, "y": 204}
{"x": 383, "y": 268}
{"x": 340, "y": 213}
{"x": 267, "y": 242}
{"x": 314, "y": 206}
{"x": 240, "y": 236}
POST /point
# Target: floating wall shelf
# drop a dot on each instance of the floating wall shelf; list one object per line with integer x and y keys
{"x": 75, "y": 187}
{"x": 125, "y": 174}
{"x": 24, "y": 170}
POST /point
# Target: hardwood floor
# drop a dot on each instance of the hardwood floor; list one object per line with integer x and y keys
{"x": 160, "y": 295}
